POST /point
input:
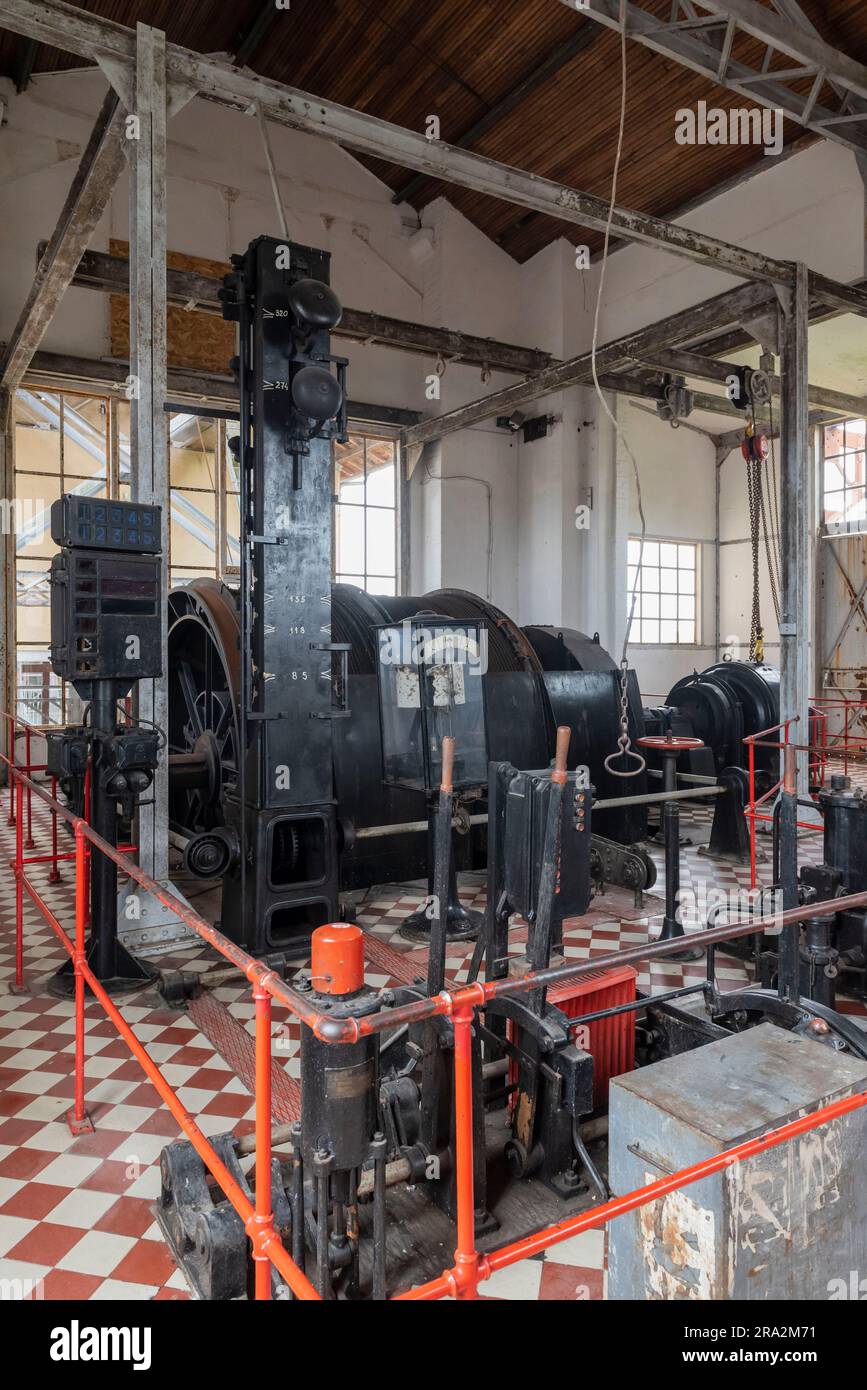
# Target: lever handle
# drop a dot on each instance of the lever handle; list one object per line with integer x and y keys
{"x": 447, "y": 781}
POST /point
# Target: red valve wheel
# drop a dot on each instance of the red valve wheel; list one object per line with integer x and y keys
{"x": 669, "y": 743}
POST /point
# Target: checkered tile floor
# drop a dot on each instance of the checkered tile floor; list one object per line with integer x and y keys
{"x": 75, "y": 1213}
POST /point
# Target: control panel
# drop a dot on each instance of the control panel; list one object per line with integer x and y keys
{"x": 96, "y": 522}
{"x": 106, "y": 598}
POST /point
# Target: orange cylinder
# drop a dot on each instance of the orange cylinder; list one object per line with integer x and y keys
{"x": 337, "y": 958}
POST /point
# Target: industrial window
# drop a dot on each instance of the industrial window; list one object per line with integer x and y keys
{"x": 62, "y": 444}
{"x": 365, "y": 512}
{"x": 844, "y": 476}
{"x": 666, "y": 607}
{"x": 205, "y": 519}
{"x": 70, "y": 442}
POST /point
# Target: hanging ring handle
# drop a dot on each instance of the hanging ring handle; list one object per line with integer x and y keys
{"x": 624, "y": 751}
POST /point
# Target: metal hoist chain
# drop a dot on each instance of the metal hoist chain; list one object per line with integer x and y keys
{"x": 624, "y": 742}
{"x": 757, "y": 632}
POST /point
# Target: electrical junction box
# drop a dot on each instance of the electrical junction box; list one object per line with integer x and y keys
{"x": 105, "y": 616}
{"x": 785, "y": 1224}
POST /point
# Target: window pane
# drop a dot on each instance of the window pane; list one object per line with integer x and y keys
{"x": 349, "y": 541}
{"x": 834, "y": 506}
{"x": 379, "y": 584}
{"x": 33, "y": 614}
{"x": 349, "y": 471}
{"x": 667, "y": 577}
{"x": 40, "y": 698}
{"x": 85, "y": 436}
{"x": 33, "y": 499}
{"x": 37, "y": 434}
{"x": 193, "y": 529}
{"x": 834, "y": 474}
{"x": 380, "y": 485}
{"x": 380, "y": 541}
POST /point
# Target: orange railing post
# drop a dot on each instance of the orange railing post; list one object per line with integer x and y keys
{"x": 752, "y": 765}
{"x": 28, "y": 843}
{"x": 263, "y": 1217}
{"x": 19, "y": 882}
{"x": 54, "y": 875}
{"x": 466, "y": 1270}
{"x": 10, "y": 749}
{"x": 78, "y": 1119}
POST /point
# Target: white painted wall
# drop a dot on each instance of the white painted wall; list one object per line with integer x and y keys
{"x": 443, "y": 271}
{"x": 219, "y": 197}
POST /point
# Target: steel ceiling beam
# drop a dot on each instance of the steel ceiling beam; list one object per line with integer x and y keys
{"x": 681, "y": 362}
{"x": 186, "y": 288}
{"x": 110, "y": 44}
{"x": 87, "y": 199}
{"x": 728, "y": 307}
{"x": 704, "y": 44}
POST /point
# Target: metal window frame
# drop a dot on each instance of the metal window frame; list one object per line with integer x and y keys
{"x": 697, "y": 546}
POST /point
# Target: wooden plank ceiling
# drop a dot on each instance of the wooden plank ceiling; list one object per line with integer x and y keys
{"x": 459, "y": 59}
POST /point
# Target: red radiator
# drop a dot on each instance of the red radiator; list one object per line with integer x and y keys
{"x": 610, "y": 1041}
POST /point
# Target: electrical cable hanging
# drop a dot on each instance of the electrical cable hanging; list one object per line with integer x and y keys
{"x": 624, "y": 749}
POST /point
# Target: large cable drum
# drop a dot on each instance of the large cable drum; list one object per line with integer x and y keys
{"x": 582, "y": 682}
{"x": 519, "y": 725}
{"x": 204, "y": 676}
{"x": 535, "y": 678}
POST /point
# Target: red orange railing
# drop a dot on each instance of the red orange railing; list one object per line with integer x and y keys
{"x": 470, "y": 1267}
{"x": 820, "y": 753}
{"x": 843, "y": 743}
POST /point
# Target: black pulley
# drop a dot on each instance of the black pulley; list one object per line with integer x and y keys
{"x": 315, "y": 303}
{"x": 211, "y": 853}
{"x": 316, "y": 393}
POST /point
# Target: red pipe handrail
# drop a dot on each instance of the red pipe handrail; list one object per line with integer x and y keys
{"x": 470, "y": 1267}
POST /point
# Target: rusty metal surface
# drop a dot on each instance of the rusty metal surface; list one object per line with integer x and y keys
{"x": 780, "y": 1225}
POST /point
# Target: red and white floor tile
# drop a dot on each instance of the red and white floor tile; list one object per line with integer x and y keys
{"x": 76, "y": 1218}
